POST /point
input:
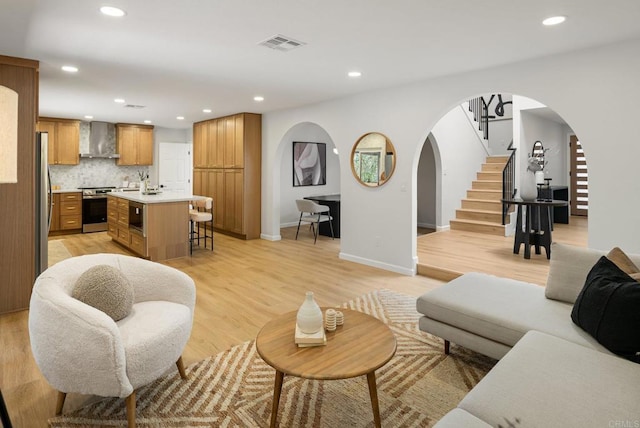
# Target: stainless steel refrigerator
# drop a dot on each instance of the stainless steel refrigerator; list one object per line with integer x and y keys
{"x": 44, "y": 202}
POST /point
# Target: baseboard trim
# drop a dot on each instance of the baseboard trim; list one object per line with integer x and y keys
{"x": 270, "y": 237}
{"x": 289, "y": 224}
{"x": 441, "y": 228}
{"x": 427, "y": 225}
{"x": 380, "y": 265}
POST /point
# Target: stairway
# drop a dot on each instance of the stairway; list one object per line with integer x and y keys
{"x": 481, "y": 211}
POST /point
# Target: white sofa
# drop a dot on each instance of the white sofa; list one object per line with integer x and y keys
{"x": 551, "y": 372}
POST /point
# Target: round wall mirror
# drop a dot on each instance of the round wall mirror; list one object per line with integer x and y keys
{"x": 538, "y": 153}
{"x": 373, "y": 159}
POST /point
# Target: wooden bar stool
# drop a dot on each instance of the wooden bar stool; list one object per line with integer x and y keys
{"x": 202, "y": 212}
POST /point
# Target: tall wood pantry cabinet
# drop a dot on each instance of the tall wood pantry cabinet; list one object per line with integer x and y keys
{"x": 17, "y": 202}
{"x": 227, "y": 157}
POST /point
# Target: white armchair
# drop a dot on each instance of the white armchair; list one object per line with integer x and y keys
{"x": 80, "y": 349}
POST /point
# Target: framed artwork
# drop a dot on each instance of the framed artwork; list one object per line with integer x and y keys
{"x": 309, "y": 164}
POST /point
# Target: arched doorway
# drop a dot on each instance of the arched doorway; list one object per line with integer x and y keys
{"x": 465, "y": 153}
{"x": 428, "y": 187}
{"x": 310, "y": 133}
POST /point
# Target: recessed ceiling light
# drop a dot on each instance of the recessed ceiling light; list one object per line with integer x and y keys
{"x": 69, "y": 68}
{"x": 180, "y": 117}
{"x": 258, "y": 98}
{"x": 354, "y": 74}
{"x": 147, "y": 121}
{"x": 112, "y": 11}
{"x": 88, "y": 117}
{"x": 119, "y": 100}
{"x": 554, "y": 20}
{"x": 206, "y": 110}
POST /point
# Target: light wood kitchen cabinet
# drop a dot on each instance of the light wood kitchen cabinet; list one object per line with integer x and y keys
{"x": 209, "y": 142}
{"x": 64, "y": 140}
{"x": 216, "y": 143}
{"x": 233, "y": 200}
{"x": 232, "y": 172}
{"x": 118, "y": 226}
{"x": 200, "y": 147}
{"x": 211, "y": 182}
{"x": 230, "y": 144}
{"x": 54, "y": 226}
{"x": 216, "y": 186}
{"x": 122, "y": 222}
{"x": 66, "y": 214}
{"x": 134, "y": 143}
{"x": 199, "y": 181}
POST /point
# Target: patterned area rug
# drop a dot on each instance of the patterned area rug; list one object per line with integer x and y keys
{"x": 235, "y": 388}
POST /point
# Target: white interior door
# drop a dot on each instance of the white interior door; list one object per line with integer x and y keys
{"x": 174, "y": 167}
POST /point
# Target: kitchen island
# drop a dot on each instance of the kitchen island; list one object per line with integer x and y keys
{"x": 155, "y": 227}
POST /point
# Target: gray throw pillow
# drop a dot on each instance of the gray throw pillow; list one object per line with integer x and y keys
{"x": 568, "y": 270}
{"x": 107, "y": 289}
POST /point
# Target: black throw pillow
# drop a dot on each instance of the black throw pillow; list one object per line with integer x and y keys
{"x": 608, "y": 308}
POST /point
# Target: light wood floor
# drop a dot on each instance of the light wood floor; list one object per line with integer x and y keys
{"x": 240, "y": 286}
{"x": 243, "y": 284}
{"x": 446, "y": 255}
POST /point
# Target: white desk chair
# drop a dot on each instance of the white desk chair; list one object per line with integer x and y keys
{"x": 202, "y": 212}
{"x": 314, "y": 214}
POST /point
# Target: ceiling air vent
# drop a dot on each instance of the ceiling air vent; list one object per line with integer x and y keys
{"x": 281, "y": 43}
{"x": 133, "y": 106}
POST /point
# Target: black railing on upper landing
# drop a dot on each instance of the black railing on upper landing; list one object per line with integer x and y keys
{"x": 480, "y": 110}
{"x": 508, "y": 181}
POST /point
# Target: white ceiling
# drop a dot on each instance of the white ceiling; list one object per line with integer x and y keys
{"x": 178, "y": 57}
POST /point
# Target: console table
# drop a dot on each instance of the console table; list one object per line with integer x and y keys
{"x": 333, "y": 202}
{"x": 534, "y": 227}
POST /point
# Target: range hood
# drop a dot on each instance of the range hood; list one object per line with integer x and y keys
{"x": 102, "y": 143}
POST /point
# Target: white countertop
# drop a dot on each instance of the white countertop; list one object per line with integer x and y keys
{"x": 156, "y": 199}
{"x": 66, "y": 191}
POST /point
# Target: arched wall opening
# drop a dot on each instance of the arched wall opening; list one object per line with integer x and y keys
{"x": 463, "y": 149}
{"x": 286, "y": 211}
{"x": 429, "y": 186}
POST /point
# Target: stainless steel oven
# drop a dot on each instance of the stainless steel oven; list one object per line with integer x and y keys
{"x": 94, "y": 209}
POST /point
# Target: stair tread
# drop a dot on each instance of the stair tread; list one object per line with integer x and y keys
{"x": 482, "y": 200}
{"x": 486, "y": 190}
{"x": 488, "y": 181}
{"x": 473, "y": 210}
{"x": 477, "y": 222}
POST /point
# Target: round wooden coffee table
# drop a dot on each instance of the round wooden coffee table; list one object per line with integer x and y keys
{"x": 359, "y": 347}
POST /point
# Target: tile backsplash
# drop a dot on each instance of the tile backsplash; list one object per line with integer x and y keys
{"x": 94, "y": 172}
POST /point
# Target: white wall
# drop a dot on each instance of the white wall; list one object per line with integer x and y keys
{"x": 500, "y": 136}
{"x": 312, "y": 133}
{"x": 567, "y": 83}
{"x": 552, "y": 135}
{"x": 461, "y": 155}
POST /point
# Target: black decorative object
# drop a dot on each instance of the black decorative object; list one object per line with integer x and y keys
{"x": 309, "y": 164}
